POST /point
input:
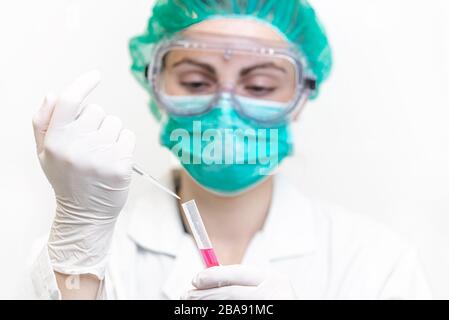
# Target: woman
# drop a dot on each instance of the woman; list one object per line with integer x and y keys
{"x": 227, "y": 79}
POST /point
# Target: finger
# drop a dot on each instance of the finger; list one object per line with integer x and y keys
{"x": 110, "y": 129}
{"x": 42, "y": 118}
{"x": 221, "y": 276}
{"x": 224, "y": 293}
{"x": 69, "y": 102}
{"x": 91, "y": 118}
{"x": 126, "y": 141}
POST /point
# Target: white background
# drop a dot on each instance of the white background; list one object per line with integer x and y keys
{"x": 376, "y": 141}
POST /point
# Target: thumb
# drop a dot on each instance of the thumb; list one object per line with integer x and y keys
{"x": 41, "y": 120}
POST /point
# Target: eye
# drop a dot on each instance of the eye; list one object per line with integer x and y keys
{"x": 258, "y": 90}
{"x": 260, "y": 84}
{"x": 195, "y": 85}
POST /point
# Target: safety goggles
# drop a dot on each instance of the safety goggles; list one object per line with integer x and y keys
{"x": 264, "y": 81}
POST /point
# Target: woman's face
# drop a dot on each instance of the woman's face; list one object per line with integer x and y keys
{"x": 199, "y": 72}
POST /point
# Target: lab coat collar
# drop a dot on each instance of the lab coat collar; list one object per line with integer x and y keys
{"x": 155, "y": 224}
{"x": 289, "y": 230}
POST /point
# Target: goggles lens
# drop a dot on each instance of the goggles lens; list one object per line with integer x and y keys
{"x": 263, "y": 86}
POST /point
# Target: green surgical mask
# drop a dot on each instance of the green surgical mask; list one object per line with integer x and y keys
{"x": 222, "y": 151}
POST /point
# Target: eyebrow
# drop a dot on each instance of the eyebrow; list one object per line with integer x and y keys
{"x": 261, "y": 66}
{"x": 244, "y": 72}
{"x": 205, "y": 66}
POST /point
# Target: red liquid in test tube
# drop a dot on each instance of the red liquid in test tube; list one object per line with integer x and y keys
{"x": 199, "y": 234}
{"x": 209, "y": 257}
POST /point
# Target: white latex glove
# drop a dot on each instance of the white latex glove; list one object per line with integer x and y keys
{"x": 239, "y": 282}
{"x": 87, "y": 158}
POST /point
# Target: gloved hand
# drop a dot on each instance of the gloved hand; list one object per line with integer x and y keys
{"x": 87, "y": 158}
{"x": 239, "y": 282}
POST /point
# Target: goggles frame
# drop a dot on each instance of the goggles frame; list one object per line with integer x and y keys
{"x": 305, "y": 86}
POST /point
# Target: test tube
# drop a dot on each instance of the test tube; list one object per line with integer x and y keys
{"x": 199, "y": 234}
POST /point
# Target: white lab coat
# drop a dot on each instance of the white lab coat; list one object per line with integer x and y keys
{"x": 326, "y": 252}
